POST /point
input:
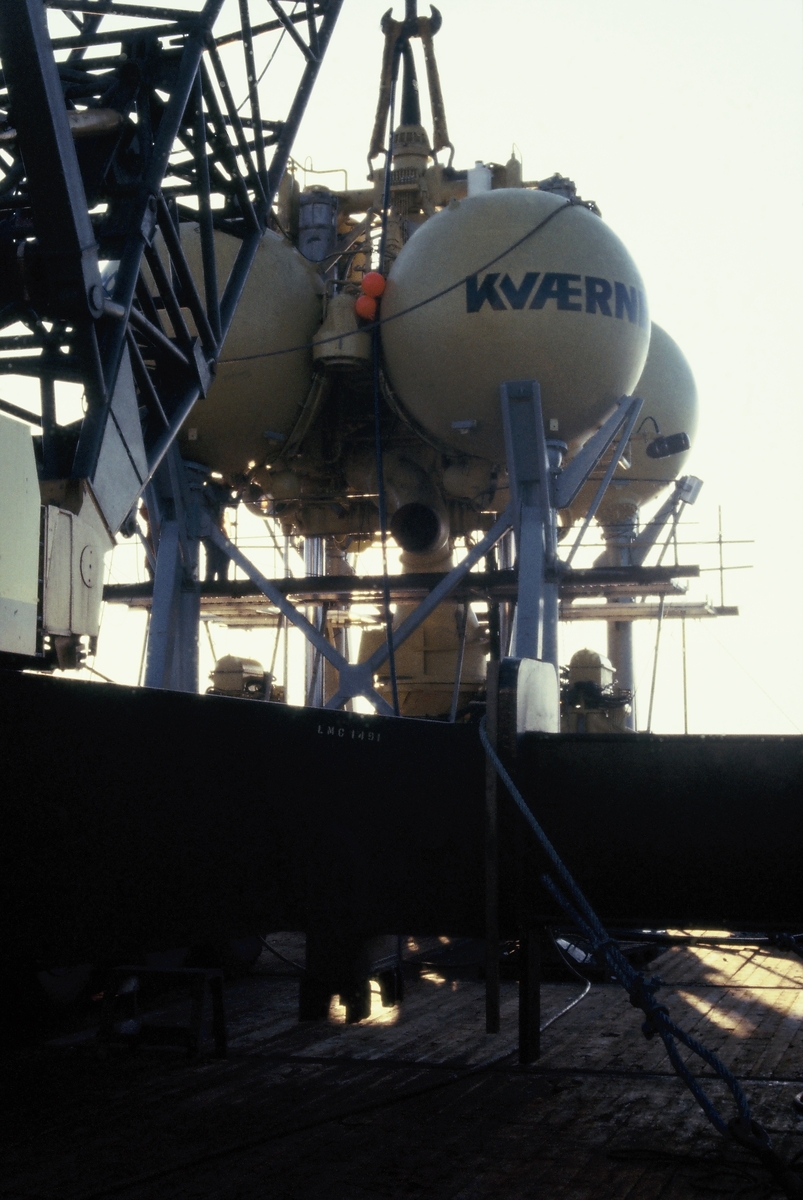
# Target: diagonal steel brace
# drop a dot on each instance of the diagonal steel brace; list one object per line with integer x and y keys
{"x": 357, "y": 679}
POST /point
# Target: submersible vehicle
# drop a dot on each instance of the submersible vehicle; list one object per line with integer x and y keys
{"x": 457, "y": 361}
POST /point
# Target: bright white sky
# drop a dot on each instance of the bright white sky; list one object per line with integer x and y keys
{"x": 683, "y": 119}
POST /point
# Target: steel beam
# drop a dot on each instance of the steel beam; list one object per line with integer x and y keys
{"x": 50, "y": 172}
{"x": 474, "y": 585}
{"x": 65, "y": 237}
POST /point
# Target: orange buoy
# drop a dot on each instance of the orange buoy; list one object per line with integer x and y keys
{"x": 366, "y": 307}
{"x": 373, "y": 284}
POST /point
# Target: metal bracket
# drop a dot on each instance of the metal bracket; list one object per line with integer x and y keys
{"x": 644, "y": 541}
{"x": 539, "y": 487}
{"x": 578, "y": 470}
{"x": 626, "y": 415}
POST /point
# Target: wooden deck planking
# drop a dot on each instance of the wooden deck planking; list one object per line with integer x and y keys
{"x": 392, "y": 1108}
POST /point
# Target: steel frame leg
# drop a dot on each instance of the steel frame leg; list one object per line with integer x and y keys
{"x": 530, "y": 996}
{"x": 172, "y": 645}
{"x": 492, "y": 992}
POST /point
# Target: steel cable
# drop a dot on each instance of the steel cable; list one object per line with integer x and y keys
{"x": 642, "y": 995}
{"x": 278, "y": 954}
{"x": 378, "y": 452}
{"x": 366, "y": 328}
{"x": 572, "y": 1003}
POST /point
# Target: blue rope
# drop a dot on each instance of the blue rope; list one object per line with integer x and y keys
{"x": 640, "y": 989}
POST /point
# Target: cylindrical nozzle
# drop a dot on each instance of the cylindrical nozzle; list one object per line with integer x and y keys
{"x": 417, "y": 527}
{"x": 419, "y": 521}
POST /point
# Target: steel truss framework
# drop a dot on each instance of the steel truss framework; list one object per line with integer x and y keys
{"x": 163, "y": 105}
{"x": 113, "y": 135}
{"x": 539, "y": 487}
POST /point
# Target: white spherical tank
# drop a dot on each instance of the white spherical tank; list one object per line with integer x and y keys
{"x": 254, "y": 402}
{"x": 669, "y": 393}
{"x": 546, "y": 291}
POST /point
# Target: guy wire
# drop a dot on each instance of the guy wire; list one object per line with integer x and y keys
{"x": 376, "y": 347}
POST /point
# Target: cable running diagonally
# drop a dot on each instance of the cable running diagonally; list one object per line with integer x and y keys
{"x": 376, "y": 356}
{"x": 366, "y": 328}
{"x": 642, "y": 995}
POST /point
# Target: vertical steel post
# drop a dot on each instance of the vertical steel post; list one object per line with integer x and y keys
{"x": 205, "y": 222}
{"x": 314, "y": 566}
{"x": 185, "y": 674}
{"x": 286, "y": 646}
{"x": 620, "y": 652}
{"x": 491, "y": 859}
{"x": 685, "y": 679}
{"x": 529, "y": 996}
{"x": 721, "y": 559}
{"x": 506, "y": 608}
{"x": 463, "y": 626}
{"x": 655, "y": 661}
{"x": 47, "y": 389}
{"x": 528, "y": 471}
{"x": 533, "y": 462}
{"x": 619, "y": 538}
{"x": 336, "y": 564}
{"x": 529, "y": 619}
{"x": 166, "y": 581}
{"x": 172, "y": 649}
{"x": 549, "y": 517}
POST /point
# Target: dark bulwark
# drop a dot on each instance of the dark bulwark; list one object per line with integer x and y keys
{"x": 138, "y": 820}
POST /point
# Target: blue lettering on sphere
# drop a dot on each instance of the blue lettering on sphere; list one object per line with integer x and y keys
{"x": 570, "y": 293}
{"x": 477, "y": 294}
{"x": 555, "y": 286}
{"x": 627, "y": 301}
{"x": 643, "y": 311}
{"x": 598, "y": 295}
{"x": 517, "y": 297}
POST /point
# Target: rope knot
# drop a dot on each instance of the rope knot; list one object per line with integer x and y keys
{"x": 600, "y": 948}
{"x": 750, "y": 1134}
{"x": 642, "y": 995}
{"x": 642, "y": 992}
